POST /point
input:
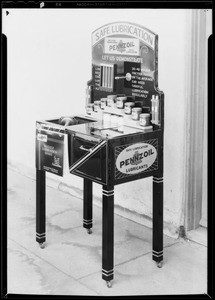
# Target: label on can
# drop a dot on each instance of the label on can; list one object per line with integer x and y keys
{"x": 110, "y": 102}
{"x": 119, "y": 104}
{"x": 128, "y": 107}
{"x": 103, "y": 103}
{"x": 96, "y": 105}
{"x": 89, "y": 108}
{"x": 144, "y": 119}
{"x": 135, "y": 113}
{"x": 127, "y": 110}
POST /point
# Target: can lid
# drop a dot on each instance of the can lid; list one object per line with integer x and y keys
{"x": 103, "y": 99}
{"x": 121, "y": 98}
{"x": 129, "y": 103}
{"x": 97, "y": 102}
{"x": 111, "y": 96}
{"x": 145, "y": 115}
{"x": 137, "y": 109}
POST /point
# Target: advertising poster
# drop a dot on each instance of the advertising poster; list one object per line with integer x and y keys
{"x": 50, "y": 151}
{"x": 136, "y": 158}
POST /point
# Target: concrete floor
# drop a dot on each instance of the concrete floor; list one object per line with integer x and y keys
{"x": 70, "y": 264}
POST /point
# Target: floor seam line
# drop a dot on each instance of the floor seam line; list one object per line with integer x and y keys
{"x": 197, "y": 243}
{"x": 143, "y": 255}
{"x": 126, "y": 261}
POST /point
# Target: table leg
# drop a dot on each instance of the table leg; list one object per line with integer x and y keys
{"x": 157, "y": 250}
{"x": 40, "y": 207}
{"x": 108, "y": 234}
{"x": 87, "y": 209}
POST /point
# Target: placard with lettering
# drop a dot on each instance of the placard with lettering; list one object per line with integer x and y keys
{"x": 132, "y": 159}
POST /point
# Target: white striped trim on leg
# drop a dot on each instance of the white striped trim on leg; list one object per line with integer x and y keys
{"x": 40, "y": 235}
{"x": 87, "y": 222}
{"x": 157, "y": 254}
{"x": 108, "y": 193}
{"x": 158, "y": 180}
{"x": 107, "y": 273}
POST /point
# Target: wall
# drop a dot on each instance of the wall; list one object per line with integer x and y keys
{"x": 49, "y": 63}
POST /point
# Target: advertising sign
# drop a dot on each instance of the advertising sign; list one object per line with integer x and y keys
{"x": 50, "y": 151}
{"x": 124, "y": 28}
{"x": 123, "y": 46}
{"x": 132, "y": 159}
{"x": 126, "y": 48}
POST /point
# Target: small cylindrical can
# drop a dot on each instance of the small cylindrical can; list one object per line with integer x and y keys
{"x": 120, "y": 101}
{"x": 89, "y": 108}
{"x": 110, "y": 100}
{"x": 103, "y": 103}
{"x": 97, "y": 105}
{"x": 135, "y": 114}
{"x": 111, "y": 96}
{"x": 128, "y": 107}
{"x": 145, "y": 119}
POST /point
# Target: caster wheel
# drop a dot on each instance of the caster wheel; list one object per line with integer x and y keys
{"x": 42, "y": 245}
{"x": 109, "y": 285}
{"x": 89, "y": 231}
{"x": 160, "y": 264}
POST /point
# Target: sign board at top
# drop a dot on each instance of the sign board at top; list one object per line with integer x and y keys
{"x": 125, "y": 29}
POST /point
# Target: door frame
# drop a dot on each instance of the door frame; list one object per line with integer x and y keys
{"x": 196, "y": 104}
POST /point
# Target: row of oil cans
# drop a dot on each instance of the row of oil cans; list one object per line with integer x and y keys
{"x": 122, "y": 102}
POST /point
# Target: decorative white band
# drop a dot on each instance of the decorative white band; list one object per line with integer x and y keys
{"x": 107, "y": 273}
{"x": 157, "y": 254}
{"x": 158, "y": 180}
{"x": 88, "y": 222}
{"x": 103, "y": 270}
{"x": 160, "y": 255}
{"x": 40, "y": 235}
{"x": 108, "y": 193}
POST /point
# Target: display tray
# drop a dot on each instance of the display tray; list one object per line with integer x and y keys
{"x": 104, "y": 130}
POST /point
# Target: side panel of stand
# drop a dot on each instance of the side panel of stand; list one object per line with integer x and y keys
{"x": 137, "y": 156}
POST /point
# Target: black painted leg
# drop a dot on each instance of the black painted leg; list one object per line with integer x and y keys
{"x": 157, "y": 249}
{"x": 87, "y": 209}
{"x": 108, "y": 234}
{"x": 40, "y": 207}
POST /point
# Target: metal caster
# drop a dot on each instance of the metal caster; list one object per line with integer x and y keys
{"x": 42, "y": 245}
{"x": 89, "y": 231}
{"x": 109, "y": 285}
{"x": 160, "y": 264}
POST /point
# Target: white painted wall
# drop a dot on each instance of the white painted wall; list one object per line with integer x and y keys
{"x": 49, "y": 63}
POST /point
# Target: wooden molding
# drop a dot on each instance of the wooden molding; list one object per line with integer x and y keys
{"x": 196, "y": 99}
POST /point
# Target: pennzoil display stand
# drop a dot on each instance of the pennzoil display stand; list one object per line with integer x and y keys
{"x": 119, "y": 139}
